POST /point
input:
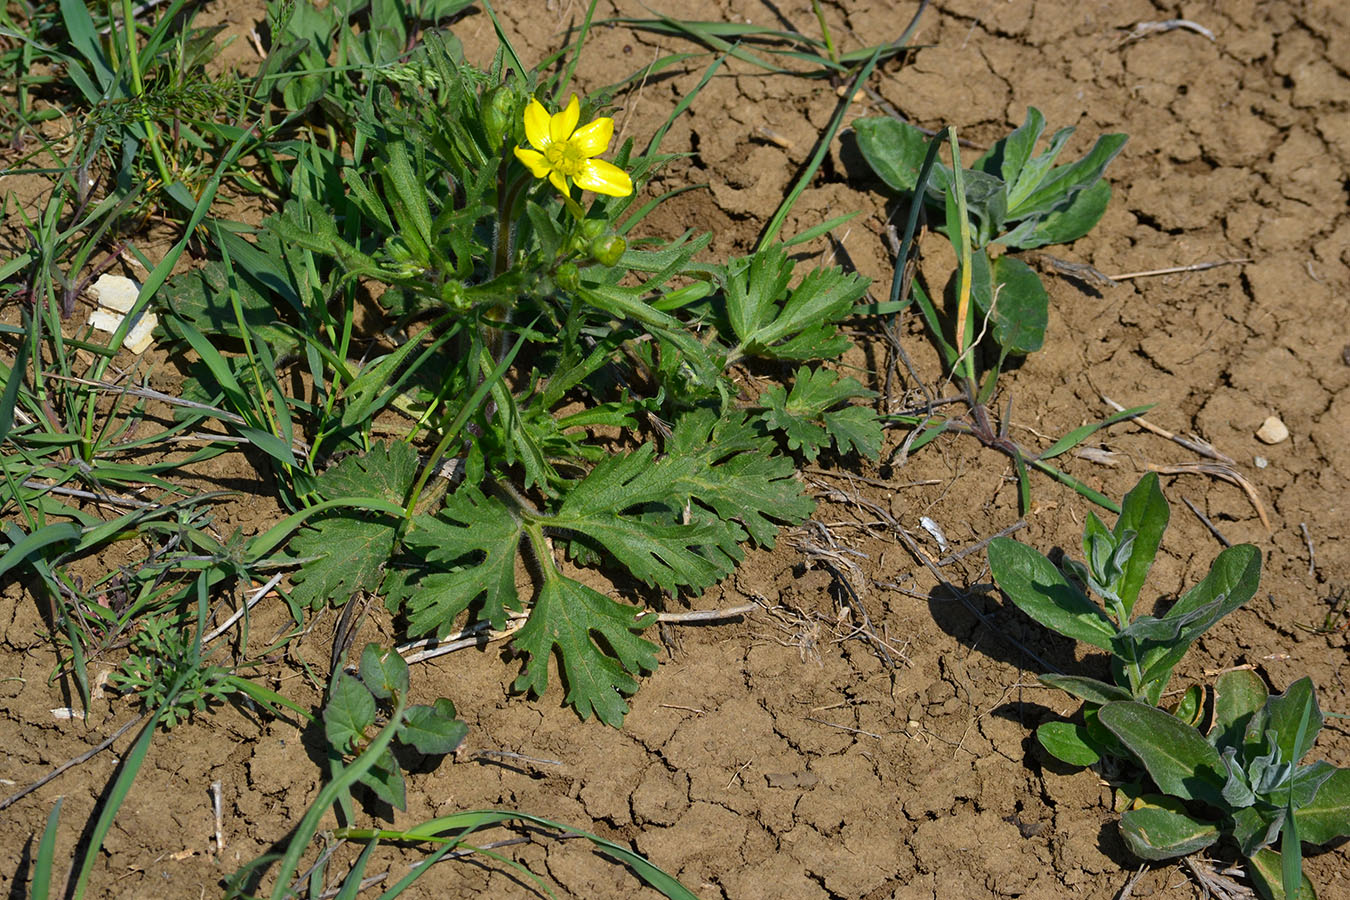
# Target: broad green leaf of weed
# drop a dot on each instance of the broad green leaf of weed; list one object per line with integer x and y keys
{"x": 855, "y": 429}
{"x": 805, "y": 419}
{"x": 349, "y": 712}
{"x": 345, "y": 552}
{"x": 895, "y": 150}
{"x": 383, "y": 672}
{"x": 737, "y": 478}
{"x": 202, "y": 298}
{"x": 481, "y": 535}
{"x": 385, "y": 778}
{"x": 433, "y": 730}
{"x": 799, "y": 325}
{"x": 802, "y": 434}
{"x": 629, "y": 505}
{"x": 565, "y": 616}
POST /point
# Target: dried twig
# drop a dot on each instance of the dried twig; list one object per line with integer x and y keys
{"x": 1146, "y": 28}
{"x": 981, "y": 544}
{"x": 216, "y": 811}
{"x": 1216, "y": 884}
{"x": 1227, "y": 473}
{"x": 1174, "y": 270}
{"x": 840, "y": 727}
{"x": 1312, "y": 555}
{"x": 1204, "y": 519}
{"x": 1224, "y": 466}
{"x": 1194, "y": 444}
{"x": 70, "y": 763}
{"x": 507, "y": 754}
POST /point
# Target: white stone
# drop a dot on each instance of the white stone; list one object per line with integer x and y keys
{"x": 116, "y": 292}
{"x": 116, "y": 295}
{"x": 1272, "y": 431}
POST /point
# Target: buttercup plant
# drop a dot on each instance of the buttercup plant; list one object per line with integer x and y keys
{"x": 577, "y": 378}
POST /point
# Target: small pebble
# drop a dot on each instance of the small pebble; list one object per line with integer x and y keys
{"x": 1261, "y": 462}
{"x": 1272, "y": 431}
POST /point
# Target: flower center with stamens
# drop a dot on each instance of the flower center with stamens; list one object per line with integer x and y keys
{"x": 564, "y": 157}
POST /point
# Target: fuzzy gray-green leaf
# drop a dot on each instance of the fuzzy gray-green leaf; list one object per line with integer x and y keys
{"x": 1178, "y": 758}
{"x": 1152, "y": 832}
{"x": 1238, "y": 695}
{"x": 1068, "y": 742}
{"x": 1041, "y": 591}
{"x": 1327, "y": 817}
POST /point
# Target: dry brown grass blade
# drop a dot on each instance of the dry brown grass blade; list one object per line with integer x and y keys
{"x": 1218, "y": 470}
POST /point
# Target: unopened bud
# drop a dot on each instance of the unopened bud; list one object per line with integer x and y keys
{"x": 608, "y": 250}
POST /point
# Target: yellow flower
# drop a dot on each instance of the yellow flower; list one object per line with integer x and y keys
{"x": 564, "y": 152}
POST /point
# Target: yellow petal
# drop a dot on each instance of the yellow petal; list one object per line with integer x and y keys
{"x": 593, "y": 139}
{"x": 561, "y": 126}
{"x": 603, "y": 178}
{"x": 559, "y": 182}
{"x": 534, "y": 161}
{"x": 536, "y": 125}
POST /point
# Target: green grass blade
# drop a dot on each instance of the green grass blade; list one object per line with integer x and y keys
{"x": 10, "y": 398}
{"x": 328, "y": 795}
{"x": 131, "y": 765}
{"x": 1096, "y": 497}
{"x": 45, "y": 861}
{"x": 23, "y": 545}
{"x": 1078, "y": 435}
{"x": 475, "y": 819}
{"x": 816, "y": 231}
{"x": 822, "y": 147}
{"x": 520, "y": 67}
{"x": 582, "y": 34}
{"x": 351, "y": 885}
{"x": 912, "y": 225}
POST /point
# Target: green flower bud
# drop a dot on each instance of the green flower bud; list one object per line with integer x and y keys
{"x": 607, "y": 250}
{"x": 452, "y": 295}
{"x": 498, "y": 110}
{"x": 592, "y": 228}
{"x": 567, "y": 277}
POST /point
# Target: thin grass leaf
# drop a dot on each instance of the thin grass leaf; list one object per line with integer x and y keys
{"x": 1080, "y": 434}
{"x": 131, "y": 763}
{"x": 825, "y": 227}
{"x": 475, "y": 819}
{"x": 1095, "y": 496}
{"x": 505, "y": 40}
{"x": 770, "y": 233}
{"x": 45, "y": 862}
{"x": 907, "y": 243}
{"x": 10, "y": 398}
{"x": 582, "y": 33}
{"x": 22, "y": 546}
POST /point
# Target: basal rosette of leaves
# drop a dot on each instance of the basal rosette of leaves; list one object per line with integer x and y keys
{"x": 1242, "y": 776}
{"x": 574, "y": 375}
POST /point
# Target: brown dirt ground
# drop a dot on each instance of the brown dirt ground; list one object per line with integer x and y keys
{"x": 779, "y": 756}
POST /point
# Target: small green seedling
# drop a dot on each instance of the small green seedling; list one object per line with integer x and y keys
{"x": 1248, "y": 768}
{"x": 349, "y": 720}
{"x": 1144, "y": 648}
{"x": 1008, "y": 198}
{"x": 1013, "y": 198}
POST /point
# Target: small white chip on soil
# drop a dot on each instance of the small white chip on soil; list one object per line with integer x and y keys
{"x": 933, "y": 529}
{"x": 1261, "y": 462}
{"x": 1272, "y": 431}
{"x": 116, "y": 295}
{"x": 66, "y": 713}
